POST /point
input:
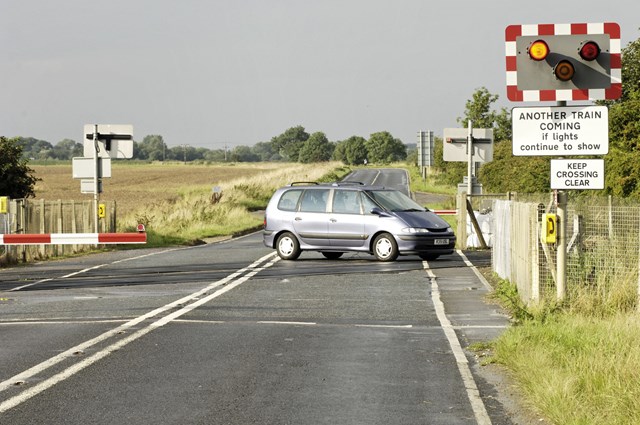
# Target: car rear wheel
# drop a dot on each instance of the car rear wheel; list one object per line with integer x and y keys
{"x": 385, "y": 247}
{"x": 332, "y": 255}
{"x": 288, "y": 246}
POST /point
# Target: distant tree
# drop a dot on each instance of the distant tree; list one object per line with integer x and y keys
{"x": 265, "y": 151}
{"x": 67, "y": 149}
{"x": 35, "y": 148}
{"x": 152, "y": 148}
{"x": 16, "y": 178}
{"x": 384, "y": 148}
{"x": 338, "y": 152}
{"x": 217, "y": 155}
{"x": 355, "y": 150}
{"x": 289, "y": 143}
{"x": 478, "y": 110}
{"x": 317, "y": 148}
{"x": 243, "y": 154}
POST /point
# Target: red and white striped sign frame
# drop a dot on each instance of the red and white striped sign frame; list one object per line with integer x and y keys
{"x": 610, "y": 28}
{"x": 73, "y": 238}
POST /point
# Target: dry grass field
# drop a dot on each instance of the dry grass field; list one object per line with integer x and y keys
{"x": 174, "y": 200}
{"x": 134, "y": 185}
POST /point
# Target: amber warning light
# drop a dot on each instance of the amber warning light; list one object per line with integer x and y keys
{"x": 538, "y": 50}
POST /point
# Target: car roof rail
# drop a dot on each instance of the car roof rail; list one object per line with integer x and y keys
{"x": 302, "y": 183}
{"x": 348, "y": 183}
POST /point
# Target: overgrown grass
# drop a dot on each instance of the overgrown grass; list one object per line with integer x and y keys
{"x": 430, "y": 184}
{"x": 576, "y": 362}
{"x": 577, "y": 369}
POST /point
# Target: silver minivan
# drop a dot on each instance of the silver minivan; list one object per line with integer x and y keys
{"x": 335, "y": 218}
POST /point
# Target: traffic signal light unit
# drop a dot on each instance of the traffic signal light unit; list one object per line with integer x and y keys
{"x": 563, "y": 62}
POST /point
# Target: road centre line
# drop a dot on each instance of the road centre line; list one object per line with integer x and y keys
{"x": 477, "y": 405}
{"x": 227, "y": 283}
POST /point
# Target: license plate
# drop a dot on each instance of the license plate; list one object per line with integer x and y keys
{"x": 441, "y": 242}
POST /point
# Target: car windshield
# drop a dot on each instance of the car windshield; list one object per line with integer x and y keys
{"x": 393, "y": 200}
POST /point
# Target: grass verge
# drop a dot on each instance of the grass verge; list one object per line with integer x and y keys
{"x": 577, "y": 362}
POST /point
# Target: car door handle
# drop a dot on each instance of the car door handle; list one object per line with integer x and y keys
{"x": 298, "y": 219}
{"x": 333, "y": 220}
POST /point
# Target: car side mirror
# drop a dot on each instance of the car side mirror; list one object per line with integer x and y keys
{"x": 379, "y": 212}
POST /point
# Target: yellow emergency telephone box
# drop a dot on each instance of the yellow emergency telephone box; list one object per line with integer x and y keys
{"x": 549, "y": 228}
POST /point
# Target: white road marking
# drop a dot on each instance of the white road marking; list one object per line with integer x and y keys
{"x": 65, "y": 322}
{"x": 231, "y": 281}
{"x": 479, "y": 409}
{"x": 277, "y": 322}
{"x": 385, "y": 326}
{"x": 91, "y": 268}
{"x": 475, "y": 270}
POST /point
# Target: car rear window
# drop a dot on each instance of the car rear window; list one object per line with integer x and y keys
{"x": 314, "y": 200}
{"x": 289, "y": 200}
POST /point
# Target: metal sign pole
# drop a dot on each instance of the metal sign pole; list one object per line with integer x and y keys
{"x": 561, "y": 260}
{"x": 470, "y": 159}
{"x": 95, "y": 175}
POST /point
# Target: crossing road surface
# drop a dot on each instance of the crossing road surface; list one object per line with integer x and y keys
{"x": 395, "y": 178}
{"x": 227, "y": 333}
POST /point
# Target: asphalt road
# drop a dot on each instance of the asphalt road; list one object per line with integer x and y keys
{"x": 226, "y": 333}
{"x": 395, "y": 178}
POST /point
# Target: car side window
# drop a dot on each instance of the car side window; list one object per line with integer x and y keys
{"x": 346, "y": 202}
{"x": 314, "y": 200}
{"x": 289, "y": 200}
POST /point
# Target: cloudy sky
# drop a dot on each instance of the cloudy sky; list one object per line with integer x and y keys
{"x": 212, "y": 73}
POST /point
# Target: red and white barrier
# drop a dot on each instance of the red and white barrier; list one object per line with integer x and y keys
{"x": 73, "y": 238}
{"x": 446, "y": 212}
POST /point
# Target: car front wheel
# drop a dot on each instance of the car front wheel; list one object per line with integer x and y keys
{"x": 385, "y": 247}
{"x": 288, "y": 246}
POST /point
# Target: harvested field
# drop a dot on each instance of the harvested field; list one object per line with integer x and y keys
{"x": 133, "y": 185}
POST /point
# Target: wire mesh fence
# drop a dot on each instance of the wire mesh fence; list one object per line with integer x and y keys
{"x": 602, "y": 249}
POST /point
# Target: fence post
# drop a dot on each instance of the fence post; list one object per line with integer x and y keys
{"x": 562, "y": 246}
{"x": 462, "y": 220}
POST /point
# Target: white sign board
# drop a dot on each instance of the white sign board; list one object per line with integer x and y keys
{"x": 577, "y": 174}
{"x": 83, "y": 168}
{"x": 114, "y": 141}
{"x": 560, "y": 130}
{"x": 454, "y": 147}
{"x": 88, "y": 186}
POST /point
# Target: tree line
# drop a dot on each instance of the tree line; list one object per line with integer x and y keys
{"x": 293, "y": 145}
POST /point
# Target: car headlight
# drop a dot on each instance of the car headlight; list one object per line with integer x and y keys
{"x": 415, "y": 230}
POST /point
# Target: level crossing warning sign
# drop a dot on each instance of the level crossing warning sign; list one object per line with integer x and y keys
{"x": 560, "y": 130}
